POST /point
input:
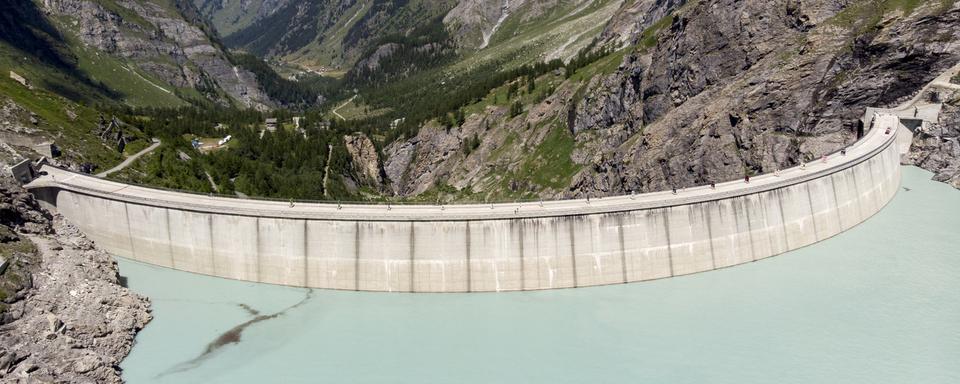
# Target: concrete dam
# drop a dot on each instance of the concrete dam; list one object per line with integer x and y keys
{"x": 486, "y": 247}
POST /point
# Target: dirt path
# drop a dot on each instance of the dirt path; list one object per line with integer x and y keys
{"x": 130, "y": 160}
{"x": 341, "y": 106}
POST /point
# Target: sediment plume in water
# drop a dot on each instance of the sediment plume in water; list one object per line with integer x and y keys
{"x": 232, "y": 336}
{"x": 249, "y": 309}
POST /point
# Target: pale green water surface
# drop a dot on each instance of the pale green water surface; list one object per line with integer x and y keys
{"x": 877, "y": 304}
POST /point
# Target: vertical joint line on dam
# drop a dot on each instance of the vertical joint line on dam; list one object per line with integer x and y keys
{"x": 126, "y": 215}
{"x": 469, "y": 266}
{"x": 753, "y": 244}
{"x": 306, "y": 258}
{"x": 573, "y": 253}
{"x": 874, "y": 187}
{"x": 173, "y": 263}
{"x": 736, "y": 223}
{"x": 523, "y": 274}
{"x": 836, "y": 203}
{"x": 856, "y": 189}
{"x": 413, "y": 252}
{"x": 623, "y": 249}
{"x": 666, "y": 229}
{"x": 813, "y": 215}
{"x": 213, "y": 259}
{"x": 706, "y": 213}
{"x": 783, "y": 219}
{"x": 257, "y": 247}
{"x": 356, "y": 256}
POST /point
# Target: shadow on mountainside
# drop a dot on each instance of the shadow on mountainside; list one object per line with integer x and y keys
{"x": 24, "y": 28}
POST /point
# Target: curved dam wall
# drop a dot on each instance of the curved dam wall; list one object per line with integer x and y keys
{"x": 498, "y": 247}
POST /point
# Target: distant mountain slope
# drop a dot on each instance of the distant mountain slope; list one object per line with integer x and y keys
{"x": 325, "y": 34}
{"x": 333, "y": 35}
{"x": 145, "y": 53}
{"x": 229, "y": 16}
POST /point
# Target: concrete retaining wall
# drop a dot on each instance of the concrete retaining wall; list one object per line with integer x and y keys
{"x": 481, "y": 248}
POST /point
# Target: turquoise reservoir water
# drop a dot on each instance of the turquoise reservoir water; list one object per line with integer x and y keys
{"x": 877, "y": 304}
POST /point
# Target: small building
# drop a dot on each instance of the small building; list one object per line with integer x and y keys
{"x": 271, "y": 124}
{"x": 20, "y": 79}
{"x": 224, "y": 140}
{"x": 47, "y": 149}
{"x": 297, "y": 120}
{"x": 195, "y": 143}
{"x": 324, "y": 125}
{"x": 23, "y": 171}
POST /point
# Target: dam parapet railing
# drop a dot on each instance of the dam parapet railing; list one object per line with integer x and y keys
{"x": 485, "y": 247}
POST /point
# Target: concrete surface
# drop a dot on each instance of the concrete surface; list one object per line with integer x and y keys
{"x": 474, "y": 248}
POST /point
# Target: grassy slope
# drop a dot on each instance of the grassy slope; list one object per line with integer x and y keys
{"x": 74, "y": 136}
{"x": 128, "y": 83}
{"x": 233, "y": 16}
{"x": 136, "y": 87}
{"x": 547, "y": 164}
{"x": 520, "y": 42}
{"x": 328, "y": 53}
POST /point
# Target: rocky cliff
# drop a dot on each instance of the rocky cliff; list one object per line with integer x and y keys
{"x": 64, "y": 317}
{"x": 229, "y": 16}
{"x": 720, "y": 89}
{"x": 627, "y": 25}
{"x": 327, "y": 36}
{"x": 161, "y": 42}
{"x": 474, "y": 22}
{"x": 735, "y": 88}
{"x": 367, "y": 170}
{"x": 937, "y": 149}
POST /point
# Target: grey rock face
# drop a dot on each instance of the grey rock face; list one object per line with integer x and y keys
{"x": 626, "y": 26}
{"x": 71, "y": 321}
{"x": 736, "y": 88}
{"x": 937, "y": 149}
{"x": 474, "y": 22}
{"x": 730, "y": 88}
{"x": 372, "y": 62}
{"x": 365, "y": 161}
{"x": 161, "y": 43}
{"x": 417, "y": 164}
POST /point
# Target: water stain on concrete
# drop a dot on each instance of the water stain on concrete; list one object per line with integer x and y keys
{"x": 232, "y": 336}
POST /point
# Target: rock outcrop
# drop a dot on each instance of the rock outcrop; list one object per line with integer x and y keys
{"x": 64, "y": 316}
{"x": 937, "y": 149}
{"x": 745, "y": 87}
{"x": 625, "y": 27}
{"x": 162, "y": 43}
{"x": 367, "y": 169}
{"x": 474, "y": 22}
{"x": 728, "y": 88}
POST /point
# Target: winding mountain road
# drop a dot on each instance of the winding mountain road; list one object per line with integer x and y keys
{"x": 130, "y": 160}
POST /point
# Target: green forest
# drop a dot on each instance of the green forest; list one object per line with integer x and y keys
{"x": 312, "y": 162}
